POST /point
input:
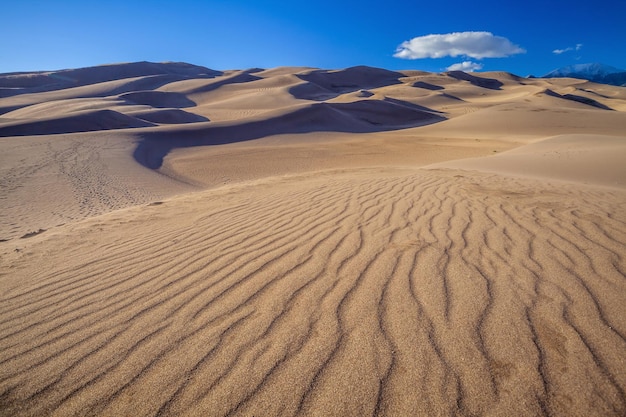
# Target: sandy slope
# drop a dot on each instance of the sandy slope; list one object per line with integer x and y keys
{"x": 309, "y": 242}
{"x": 588, "y": 159}
{"x": 46, "y": 181}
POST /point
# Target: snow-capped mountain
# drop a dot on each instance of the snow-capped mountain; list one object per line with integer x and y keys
{"x": 595, "y": 72}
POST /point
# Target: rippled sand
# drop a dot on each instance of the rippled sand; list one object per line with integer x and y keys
{"x": 332, "y": 271}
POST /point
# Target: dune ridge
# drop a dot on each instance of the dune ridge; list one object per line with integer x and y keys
{"x": 31, "y": 82}
{"x": 78, "y": 122}
{"x": 355, "y": 117}
{"x": 178, "y": 241}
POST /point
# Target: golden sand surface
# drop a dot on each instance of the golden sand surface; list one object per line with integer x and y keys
{"x": 181, "y": 241}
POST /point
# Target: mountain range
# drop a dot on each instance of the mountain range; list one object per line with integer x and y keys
{"x": 595, "y": 72}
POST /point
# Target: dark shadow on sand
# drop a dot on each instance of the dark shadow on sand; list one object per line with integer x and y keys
{"x": 411, "y": 105}
{"x": 158, "y": 99}
{"x": 323, "y": 84}
{"x": 580, "y": 99}
{"x": 244, "y": 77}
{"x": 90, "y": 121}
{"x": 489, "y": 83}
{"x": 358, "y": 117}
{"x": 427, "y": 86}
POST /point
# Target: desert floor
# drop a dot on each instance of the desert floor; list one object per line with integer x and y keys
{"x": 181, "y": 241}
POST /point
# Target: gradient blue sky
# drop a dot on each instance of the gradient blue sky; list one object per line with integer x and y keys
{"x": 239, "y": 34}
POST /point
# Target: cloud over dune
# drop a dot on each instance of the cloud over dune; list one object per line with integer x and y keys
{"x": 467, "y": 66}
{"x": 476, "y": 45}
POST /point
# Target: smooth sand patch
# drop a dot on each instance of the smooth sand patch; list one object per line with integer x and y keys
{"x": 588, "y": 159}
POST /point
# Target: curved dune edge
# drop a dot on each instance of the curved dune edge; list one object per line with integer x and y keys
{"x": 390, "y": 292}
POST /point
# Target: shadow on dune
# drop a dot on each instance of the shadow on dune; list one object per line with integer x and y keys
{"x": 580, "y": 99}
{"x": 87, "y": 121}
{"x": 323, "y": 85}
{"x": 243, "y": 77}
{"x": 490, "y": 83}
{"x": 450, "y": 96}
{"x": 358, "y": 117}
{"x": 158, "y": 99}
{"x": 148, "y": 83}
{"x": 104, "y": 89}
{"x": 427, "y": 86}
{"x": 168, "y": 116}
{"x": 410, "y": 105}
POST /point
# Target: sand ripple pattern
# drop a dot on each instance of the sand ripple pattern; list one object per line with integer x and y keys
{"x": 407, "y": 293}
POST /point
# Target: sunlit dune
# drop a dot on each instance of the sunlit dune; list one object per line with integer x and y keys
{"x": 176, "y": 240}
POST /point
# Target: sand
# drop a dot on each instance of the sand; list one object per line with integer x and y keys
{"x": 297, "y": 241}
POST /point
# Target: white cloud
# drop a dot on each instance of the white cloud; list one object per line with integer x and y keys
{"x": 569, "y": 48}
{"x": 560, "y": 51}
{"x": 476, "y": 45}
{"x": 467, "y": 66}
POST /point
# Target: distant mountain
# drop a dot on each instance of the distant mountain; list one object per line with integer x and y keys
{"x": 595, "y": 72}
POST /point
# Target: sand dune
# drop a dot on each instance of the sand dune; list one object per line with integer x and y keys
{"x": 168, "y": 116}
{"x": 348, "y": 80}
{"x": 590, "y": 159}
{"x": 63, "y": 107}
{"x": 194, "y": 86}
{"x": 356, "y": 117}
{"x": 300, "y": 241}
{"x": 79, "y": 122}
{"x": 20, "y": 83}
{"x": 158, "y": 99}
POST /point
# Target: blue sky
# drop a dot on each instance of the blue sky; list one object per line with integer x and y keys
{"x": 239, "y": 34}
